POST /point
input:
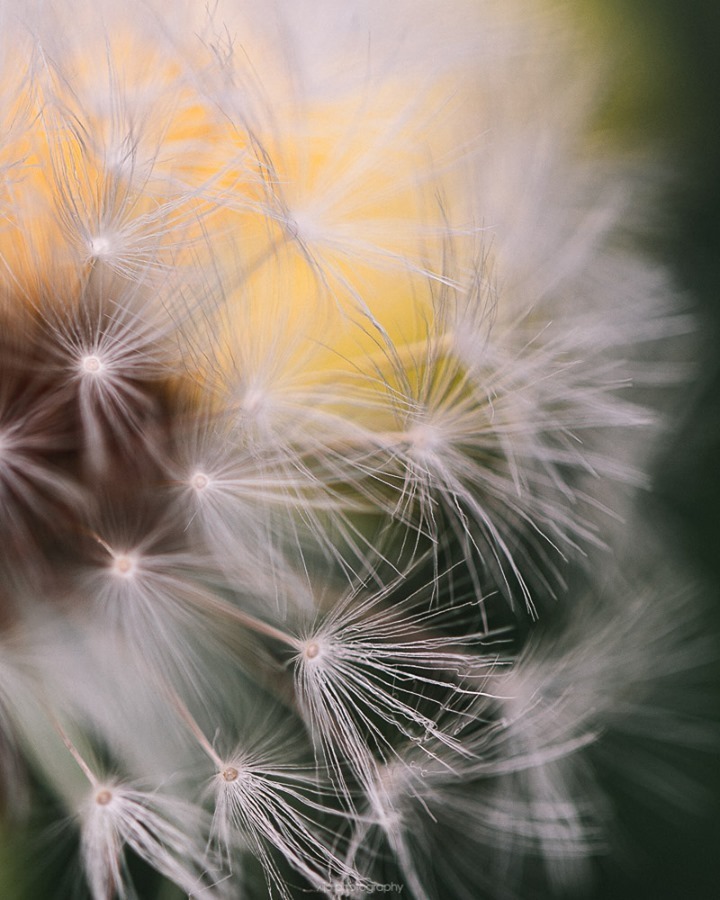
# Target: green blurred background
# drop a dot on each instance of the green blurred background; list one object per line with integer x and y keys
{"x": 667, "y": 96}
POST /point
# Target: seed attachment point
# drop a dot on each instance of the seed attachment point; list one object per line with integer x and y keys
{"x": 124, "y": 564}
{"x": 100, "y": 247}
{"x": 199, "y": 481}
{"x": 103, "y": 797}
{"x": 311, "y": 650}
{"x": 91, "y": 364}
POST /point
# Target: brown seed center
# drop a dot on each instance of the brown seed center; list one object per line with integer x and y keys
{"x": 200, "y": 481}
{"x": 123, "y": 565}
{"x": 91, "y": 364}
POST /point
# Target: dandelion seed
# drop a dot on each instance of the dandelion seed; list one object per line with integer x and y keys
{"x": 370, "y": 668}
{"x": 260, "y": 504}
{"x": 144, "y": 592}
{"x": 164, "y": 831}
{"x": 264, "y": 802}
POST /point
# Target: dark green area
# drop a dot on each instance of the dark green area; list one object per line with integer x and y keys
{"x": 668, "y": 96}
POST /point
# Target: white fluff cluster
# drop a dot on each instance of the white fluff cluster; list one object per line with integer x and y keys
{"x": 317, "y": 322}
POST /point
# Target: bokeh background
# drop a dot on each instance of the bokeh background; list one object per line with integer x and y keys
{"x": 666, "y": 94}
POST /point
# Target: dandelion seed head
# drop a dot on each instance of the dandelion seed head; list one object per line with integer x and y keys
{"x": 303, "y": 282}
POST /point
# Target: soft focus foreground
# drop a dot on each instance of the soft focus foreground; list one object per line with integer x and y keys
{"x": 322, "y": 331}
